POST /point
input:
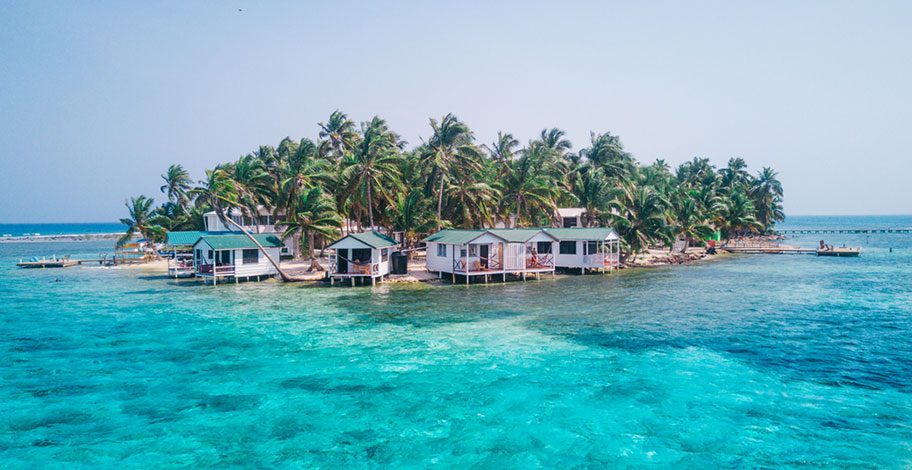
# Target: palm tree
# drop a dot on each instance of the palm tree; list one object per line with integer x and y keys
{"x": 737, "y": 215}
{"x": 531, "y": 191}
{"x": 687, "y": 221}
{"x": 449, "y": 149}
{"x": 177, "y": 185}
{"x": 412, "y": 215}
{"x": 314, "y": 214}
{"x": 468, "y": 203}
{"x": 142, "y": 220}
{"x": 372, "y": 169}
{"x": 767, "y": 195}
{"x": 642, "y": 219}
{"x": 341, "y": 132}
{"x": 606, "y": 152}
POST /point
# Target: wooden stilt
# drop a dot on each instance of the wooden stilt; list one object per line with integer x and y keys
{"x": 486, "y": 279}
{"x": 373, "y": 281}
{"x": 353, "y": 281}
{"x": 537, "y": 276}
{"x": 504, "y": 277}
{"x": 332, "y": 281}
{"x": 583, "y": 271}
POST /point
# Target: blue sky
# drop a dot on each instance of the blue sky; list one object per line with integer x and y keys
{"x": 98, "y": 98}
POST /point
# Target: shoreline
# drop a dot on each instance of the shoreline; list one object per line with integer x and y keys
{"x": 64, "y": 237}
{"x": 418, "y": 273}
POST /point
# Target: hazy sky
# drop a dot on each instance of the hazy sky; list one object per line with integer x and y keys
{"x": 98, "y": 98}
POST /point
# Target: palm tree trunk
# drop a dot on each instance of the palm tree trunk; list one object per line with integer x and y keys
{"x": 370, "y": 204}
{"x": 440, "y": 198}
{"x": 285, "y": 277}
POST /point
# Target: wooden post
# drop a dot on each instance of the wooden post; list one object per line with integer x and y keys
{"x": 537, "y": 276}
{"x": 373, "y": 281}
{"x": 353, "y": 281}
{"x": 332, "y": 281}
{"x": 486, "y": 279}
{"x": 504, "y": 277}
{"x": 583, "y": 271}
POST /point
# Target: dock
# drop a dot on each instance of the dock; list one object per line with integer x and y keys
{"x": 64, "y": 262}
{"x": 771, "y": 248}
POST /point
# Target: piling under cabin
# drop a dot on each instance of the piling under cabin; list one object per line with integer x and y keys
{"x": 474, "y": 253}
{"x": 235, "y": 257}
{"x": 364, "y": 255}
{"x": 594, "y": 248}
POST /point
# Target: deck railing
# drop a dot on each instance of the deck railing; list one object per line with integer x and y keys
{"x": 210, "y": 270}
{"x": 355, "y": 269}
{"x": 540, "y": 261}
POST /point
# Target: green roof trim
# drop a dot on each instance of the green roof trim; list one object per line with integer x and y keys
{"x": 581, "y": 233}
{"x": 461, "y": 237}
{"x": 187, "y": 238}
{"x": 454, "y": 236}
{"x": 371, "y": 239}
{"x": 238, "y": 242}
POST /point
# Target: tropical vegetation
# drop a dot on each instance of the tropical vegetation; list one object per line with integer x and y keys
{"x": 354, "y": 177}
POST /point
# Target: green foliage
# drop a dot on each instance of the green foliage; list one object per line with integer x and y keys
{"x": 363, "y": 175}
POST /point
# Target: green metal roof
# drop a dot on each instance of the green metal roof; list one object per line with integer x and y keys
{"x": 461, "y": 237}
{"x": 581, "y": 233}
{"x": 515, "y": 235}
{"x": 237, "y": 242}
{"x": 454, "y": 236}
{"x": 186, "y": 238}
{"x": 371, "y": 239}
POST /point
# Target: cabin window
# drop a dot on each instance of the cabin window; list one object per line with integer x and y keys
{"x": 568, "y": 248}
{"x": 473, "y": 250}
{"x": 441, "y": 250}
{"x": 384, "y": 255}
{"x": 462, "y": 252}
{"x": 569, "y": 222}
{"x": 209, "y": 256}
{"x": 264, "y": 219}
{"x": 591, "y": 248}
{"x": 251, "y": 256}
{"x": 544, "y": 247}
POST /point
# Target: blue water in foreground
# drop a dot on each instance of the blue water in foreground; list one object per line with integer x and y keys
{"x": 752, "y": 361}
{"x": 18, "y": 230}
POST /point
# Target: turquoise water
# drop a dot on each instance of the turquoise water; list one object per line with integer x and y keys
{"x": 18, "y": 230}
{"x": 753, "y": 361}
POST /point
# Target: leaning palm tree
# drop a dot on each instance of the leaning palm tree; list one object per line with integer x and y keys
{"x": 220, "y": 191}
{"x": 177, "y": 185}
{"x": 314, "y": 214}
{"x": 449, "y": 150}
{"x": 142, "y": 220}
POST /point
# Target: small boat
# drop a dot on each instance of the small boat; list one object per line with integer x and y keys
{"x": 839, "y": 252}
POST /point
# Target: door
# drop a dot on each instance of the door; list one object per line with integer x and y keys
{"x": 483, "y": 255}
{"x": 342, "y": 266}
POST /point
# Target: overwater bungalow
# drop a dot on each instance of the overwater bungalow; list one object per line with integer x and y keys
{"x": 473, "y": 253}
{"x": 178, "y": 250}
{"x": 596, "y": 248}
{"x": 234, "y": 256}
{"x": 364, "y": 255}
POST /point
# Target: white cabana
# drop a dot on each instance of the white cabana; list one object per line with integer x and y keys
{"x": 586, "y": 248}
{"x": 360, "y": 255}
{"x": 490, "y": 252}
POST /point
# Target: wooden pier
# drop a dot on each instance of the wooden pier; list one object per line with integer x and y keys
{"x": 770, "y": 248}
{"x": 64, "y": 262}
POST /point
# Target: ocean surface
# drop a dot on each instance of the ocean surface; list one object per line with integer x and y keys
{"x": 18, "y": 230}
{"x": 749, "y": 361}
